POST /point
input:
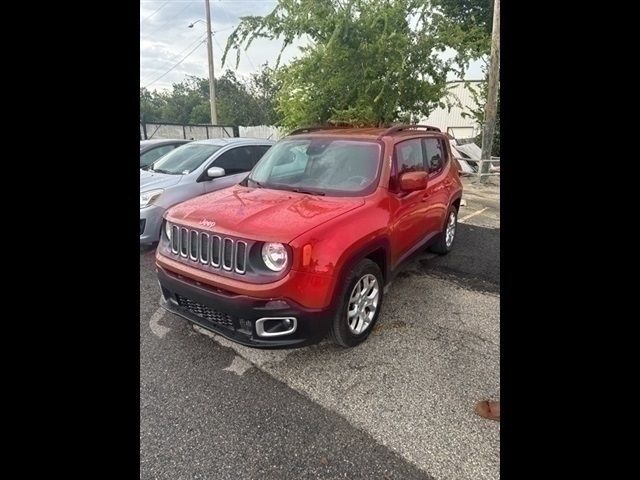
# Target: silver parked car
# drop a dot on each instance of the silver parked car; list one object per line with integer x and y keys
{"x": 191, "y": 170}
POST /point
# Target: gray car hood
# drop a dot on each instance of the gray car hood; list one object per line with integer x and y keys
{"x": 152, "y": 180}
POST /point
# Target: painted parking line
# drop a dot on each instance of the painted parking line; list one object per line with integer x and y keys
{"x": 471, "y": 215}
{"x": 157, "y": 329}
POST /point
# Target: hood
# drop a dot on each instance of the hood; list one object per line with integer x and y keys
{"x": 151, "y": 180}
{"x": 260, "y": 213}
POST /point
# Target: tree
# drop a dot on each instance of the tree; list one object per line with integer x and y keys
{"x": 370, "y": 62}
{"x": 479, "y": 95}
{"x": 465, "y": 26}
{"x": 238, "y": 102}
{"x": 185, "y": 98}
{"x": 236, "y": 105}
{"x": 264, "y": 86}
{"x": 151, "y": 105}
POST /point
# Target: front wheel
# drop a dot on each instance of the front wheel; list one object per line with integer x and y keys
{"x": 360, "y": 305}
{"x": 444, "y": 243}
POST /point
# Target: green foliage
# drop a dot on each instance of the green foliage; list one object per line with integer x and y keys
{"x": 264, "y": 87}
{"x": 151, "y": 105}
{"x": 479, "y": 94}
{"x": 465, "y": 26}
{"x": 237, "y": 102}
{"x": 369, "y": 62}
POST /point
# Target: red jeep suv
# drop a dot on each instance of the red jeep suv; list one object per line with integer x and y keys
{"x": 307, "y": 243}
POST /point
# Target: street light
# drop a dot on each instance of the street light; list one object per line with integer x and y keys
{"x": 212, "y": 89}
{"x": 213, "y": 32}
{"x": 199, "y": 20}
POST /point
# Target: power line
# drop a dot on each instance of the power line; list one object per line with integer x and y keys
{"x": 161, "y": 25}
{"x": 201, "y": 38}
{"x": 187, "y": 6}
{"x": 177, "y": 55}
{"x": 160, "y": 8}
{"x": 165, "y": 73}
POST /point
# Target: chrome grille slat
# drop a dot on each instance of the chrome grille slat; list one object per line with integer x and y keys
{"x": 194, "y": 239}
{"x": 227, "y": 246}
{"x": 211, "y": 250}
{"x": 184, "y": 242}
{"x": 205, "y": 248}
{"x": 216, "y": 247}
{"x": 241, "y": 257}
{"x": 175, "y": 240}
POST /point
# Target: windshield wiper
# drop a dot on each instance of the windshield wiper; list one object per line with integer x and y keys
{"x": 309, "y": 192}
{"x": 159, "y": 170}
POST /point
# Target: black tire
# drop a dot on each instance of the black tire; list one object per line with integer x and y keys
{"x": 440, "y": 246}
{"x": 340, "y": 333}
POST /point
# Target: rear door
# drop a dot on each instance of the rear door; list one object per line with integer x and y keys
{"x": 437, "y": 194}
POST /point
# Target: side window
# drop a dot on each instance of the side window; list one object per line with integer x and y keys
{"x": 257, "y": 152}
{"x": 234, "y": 161}
{"x": 407, "y": 157}
{"x": 147, "y": 158}
{"x": 436, "y": 154}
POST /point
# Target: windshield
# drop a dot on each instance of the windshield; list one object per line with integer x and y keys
{"x": 319, "y": 166}
{"x": 184, "y": 159}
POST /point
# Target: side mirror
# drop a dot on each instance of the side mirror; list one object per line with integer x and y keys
{"x": 215, "y": 172}
{"x": 412, "y": 181}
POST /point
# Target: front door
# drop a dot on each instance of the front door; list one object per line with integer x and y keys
{"x": 408, "y": 226}
{"x": 237, "y": 162}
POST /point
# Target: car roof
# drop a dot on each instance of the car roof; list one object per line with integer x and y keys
{"x": 159, "y": 141}
{"x": 231, "y": 140}
{"x": 370, "y": 133}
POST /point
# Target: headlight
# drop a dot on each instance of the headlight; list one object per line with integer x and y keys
{"x": 147, "y": 198}
{"x": 274, "y": 256}
{"x": 167, "y": 229}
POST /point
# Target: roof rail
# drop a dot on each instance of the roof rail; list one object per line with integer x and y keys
{"x": 313, "y": 129}
{"x": 399, "y": 128}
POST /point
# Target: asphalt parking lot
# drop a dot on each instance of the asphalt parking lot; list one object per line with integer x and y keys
{"x": 399, "y": 406}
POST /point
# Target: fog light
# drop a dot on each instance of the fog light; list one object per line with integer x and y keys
{"x": 276, "y": 326}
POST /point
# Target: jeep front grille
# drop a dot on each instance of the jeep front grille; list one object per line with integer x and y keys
{"x": 209, "y": 249}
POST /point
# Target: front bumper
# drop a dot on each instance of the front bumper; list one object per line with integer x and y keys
{"x": 152, "y": 216}
{"x": 235, "y": 315}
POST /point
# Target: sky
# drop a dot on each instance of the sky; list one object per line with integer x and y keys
{"x": 167, "y": 44}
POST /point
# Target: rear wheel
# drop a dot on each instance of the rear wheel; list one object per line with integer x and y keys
{"x": 444, "y": 243}
{"x": 361, "y": 299}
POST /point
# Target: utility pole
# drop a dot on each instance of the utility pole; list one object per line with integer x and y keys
{"x": 491, "y": 107}
{"x": 212, "y": 88}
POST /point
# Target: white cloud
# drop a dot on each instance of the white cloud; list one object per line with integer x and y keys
{"x": 165, "y": 39}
